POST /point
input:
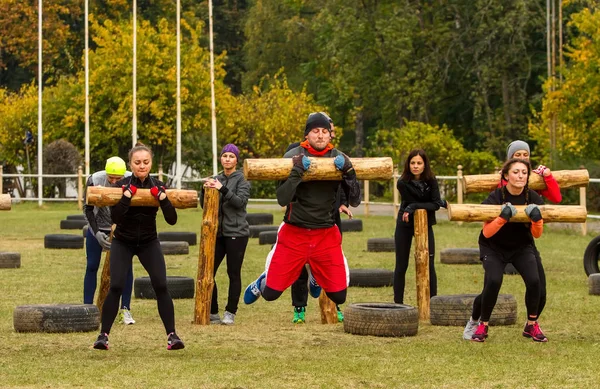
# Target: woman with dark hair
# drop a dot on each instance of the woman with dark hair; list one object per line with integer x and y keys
{"x": 419, "y": 189}
{"x": 136, "y": 235}
{"x": 501, "y": 242}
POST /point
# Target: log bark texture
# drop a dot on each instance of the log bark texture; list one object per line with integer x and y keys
{"x": 101, "y": 196}
{"x": 485, "y": 212}
{"x": 5, "y": 203}
{"x": 328, "y": 309}
{"x": 422, "y": 263}
{"x": 321, "y": 169}
{"x": 206, "y": 258}
{"x": 481, "y": 183}
{"x": 105, "y": 277}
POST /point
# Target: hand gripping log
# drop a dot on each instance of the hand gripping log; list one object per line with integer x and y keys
{"x": 481, "y": 183}
{"x": 321, "y": 169}
{"x": 485, "y": 212}
{"x": 101, "y": 196}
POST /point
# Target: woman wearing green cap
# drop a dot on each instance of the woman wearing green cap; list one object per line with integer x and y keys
{"x": 99, "y": 226}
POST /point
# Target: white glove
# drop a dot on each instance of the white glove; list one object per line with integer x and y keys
{"x": 102, "y": 238}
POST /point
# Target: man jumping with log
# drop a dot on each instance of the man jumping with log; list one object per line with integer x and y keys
{"x": 309, "y": 233}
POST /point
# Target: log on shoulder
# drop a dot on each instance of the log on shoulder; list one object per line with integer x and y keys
{"x": 481, "y": 183}
{"x": 321, "y": 169}
{"x": 485, "y": 212}
{"x": 101, "y": 196}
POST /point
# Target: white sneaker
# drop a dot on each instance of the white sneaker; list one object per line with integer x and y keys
{"x": 215, "y": 318}
{"x": 470, "y": 329}
{"x": 126, "y": 317}
{"x": 228, "y": 318}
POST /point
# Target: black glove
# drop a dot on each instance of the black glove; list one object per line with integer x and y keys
{"x": 533, "y": 212}
{"x": 508, "y": 211}
{"x": 301, "y": 161}
{"x": 342, "y": 163}
{"x": 156, "y": 191}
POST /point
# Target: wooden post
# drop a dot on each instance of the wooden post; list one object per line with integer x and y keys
{"x": 366, "y": 200}
{"x": 105, "y": 278}
{"x": 396, "y": 195}
{"x": 5, "y": 203}
{"x": 422, "y": 263}
{"x": 80, "y": 188}
{"x": 101, "y": 196}
{"x": 328, "y": 309}
{"x": 583, "y": 203}
{"x": 1, "y": 179}
{"x": 459, "y": 187}
{"x": 160, "y": 172}
{"x": 208, "y": 236}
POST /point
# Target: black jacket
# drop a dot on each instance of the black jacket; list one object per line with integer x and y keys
{"x": 137, "y": 225}
{"x": 419, "y": 195}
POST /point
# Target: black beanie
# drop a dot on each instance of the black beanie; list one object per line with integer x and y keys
{"x": 317, "y": 120}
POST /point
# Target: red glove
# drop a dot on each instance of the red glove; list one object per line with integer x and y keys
{"x": 131, "y": 188}
{"x": 156, "y": 191}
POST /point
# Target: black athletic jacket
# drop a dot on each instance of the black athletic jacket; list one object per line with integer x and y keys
{"x": 137, "y": 225}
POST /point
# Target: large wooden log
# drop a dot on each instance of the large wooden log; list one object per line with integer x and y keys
{"x": 321, "y": 169}
{"x": 208, "y": 238}
{"x": 101, "y": 196}
{"x": 422, "y": 263}
{"x": 328, "y": 309}
{"x": 5, "y": 203}
{"x": 105, "y": 277}
{"x": 481, "y": 183}
{"x": 485, "y": 212}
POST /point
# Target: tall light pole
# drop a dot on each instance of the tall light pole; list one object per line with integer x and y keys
{"x": 134, "y": 102}
{"x": 212, "y": 89}
{"x": 178, "y": 168}
{"x": 39, "y": 145}
{"x": 87, "y": 93}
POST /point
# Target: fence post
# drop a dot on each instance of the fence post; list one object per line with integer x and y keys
{"x": 80, "y": 187}
{"x": 459, "y": 186}
{"x": 366, "y": 201}
{"x": 1, "y": 180}
{"x": 396, "y": 194}
{"x": 208, "y": 236}
{"x": 160, "y": 172}
{"x": 583, "y": 203}
{"x": 422, "y": 262}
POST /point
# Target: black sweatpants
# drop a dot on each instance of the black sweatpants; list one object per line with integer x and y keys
{"x": 403, "y": 240}
{"x": 542, "y": 274}
{"x": 151, "y": 257}
{"x": 494, "y": 263}
{"x": 235, "y": 249}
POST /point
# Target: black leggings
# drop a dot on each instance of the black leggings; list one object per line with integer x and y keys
{"x": 542, "y": 274}
{"x": 403, "y": 240}
{"x": 494, "y": 263}
{"x": 151, "y": 257}
{"x": 234, "y": 248}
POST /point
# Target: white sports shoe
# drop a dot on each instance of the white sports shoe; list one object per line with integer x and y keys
{"x": 215, "y": 318}
{"x": 470, "y": 329}
{"x": 228, "y": 318}
{"x": 126, "y": 317}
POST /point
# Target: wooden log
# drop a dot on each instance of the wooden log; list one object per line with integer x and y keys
{"x": 485, "y": 212}
{"x": 5, "y": 203}
{"x": 101, "y": 196}
{"x": 422, "y": 263}
{"x": 481, "y": 183}
{"x": 105, "y": 277}
{"x": 208, "y": 237}
{"x": 328, "y": 309}
{"x": 321, "y": 169}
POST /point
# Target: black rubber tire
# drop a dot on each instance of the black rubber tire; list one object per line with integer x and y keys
{"x": 10, "y": 260}
{"x": 63, "y": 241}
{"x": 72, "y": 224}
{"x": 381, "y": 245}
{"x": 460, "y": 256}
{"x": 267, "y": 237}
{"x": 255, "y": 219}
{"x": 510, "y": 270}
{"x": 178, "y": 236}
{"x": 255, "y": 230}
{"x": 179, "y": 287}
{"x": 455, "y": 310}
{"x": 56, "y": 318}
{"x": 373, "y": 278}
{"x": 591, "y": 256}
{"x": 352, "y": 225}
{"x": 175, "y": 248}
{"x": 76, "y": 217}
{"x": 594, "y": 283}
{"x": 381, "y": 319}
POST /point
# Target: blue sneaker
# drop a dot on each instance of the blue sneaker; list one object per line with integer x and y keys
{"x": 252, "y": 292}
{"x": 313, "y": 287}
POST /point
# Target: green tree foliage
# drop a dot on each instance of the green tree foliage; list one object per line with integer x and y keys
{"x": 18, "y": 113}
{"x": 60, "y": 157}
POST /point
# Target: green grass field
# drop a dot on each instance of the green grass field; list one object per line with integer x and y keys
{"x": 265, "y": 350}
